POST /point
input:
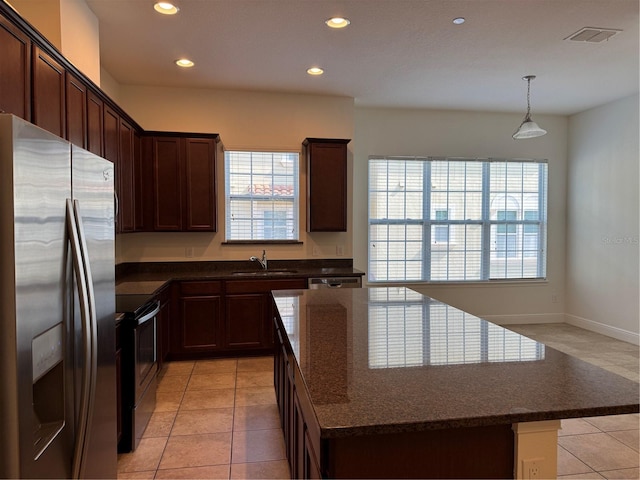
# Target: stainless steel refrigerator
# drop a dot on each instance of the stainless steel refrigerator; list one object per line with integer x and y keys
{"x": 57, "y": 302}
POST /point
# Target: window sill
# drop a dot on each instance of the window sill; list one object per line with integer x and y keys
{"x": 459, "y": 283}
{"x": 262, "y": 242}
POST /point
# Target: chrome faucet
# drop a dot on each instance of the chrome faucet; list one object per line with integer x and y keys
{"x": 263, "y": 262}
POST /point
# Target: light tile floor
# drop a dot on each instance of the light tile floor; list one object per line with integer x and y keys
{"x": 219, "y": 419}
{"x": 213, "y": 419}
{"x": 594, "y": 447}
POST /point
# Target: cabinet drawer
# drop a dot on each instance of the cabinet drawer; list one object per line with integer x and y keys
{"x": 264, "y": 286}
{"x": 200, "y": 288}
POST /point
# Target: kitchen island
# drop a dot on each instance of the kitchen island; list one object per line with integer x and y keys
{"x": 388, "y": 383}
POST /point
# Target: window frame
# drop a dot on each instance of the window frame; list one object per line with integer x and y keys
{"x": 488, "y": 225}
{"x": 271, "y": 198}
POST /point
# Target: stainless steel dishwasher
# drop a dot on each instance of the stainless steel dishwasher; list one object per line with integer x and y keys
{"x": 335, "y": 282}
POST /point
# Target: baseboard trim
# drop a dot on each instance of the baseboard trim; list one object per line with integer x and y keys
{"x": 526, "y": 318}
{"x": 608, "y": 330}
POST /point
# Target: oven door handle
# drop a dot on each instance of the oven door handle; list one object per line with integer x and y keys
{"x": 148, "y": 316}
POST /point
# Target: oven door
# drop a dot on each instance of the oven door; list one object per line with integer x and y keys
{"x": 145, "y": 348}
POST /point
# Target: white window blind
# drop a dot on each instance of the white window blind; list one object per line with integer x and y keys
{"x": 443, "y": 219}
{"x": 261, "y": 192}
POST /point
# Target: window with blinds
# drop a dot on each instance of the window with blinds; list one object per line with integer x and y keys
{"x": 261, "y": 192}
{"x": 450, "y": 219}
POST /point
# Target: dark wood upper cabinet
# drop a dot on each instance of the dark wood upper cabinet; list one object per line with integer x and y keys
{"x": 184, "y": 181}
{"x": 125, "y": 170}
{"x": 200, "y": 178}
{"x": 326, "y": 184}
{"x": 49, "y": 88}
{"x": 110, "y": 135}
{"x": 15, "y": 71}
{"x": 167, "y": 184}
{"x": 76, "y": 111}
{"x": 95, "y": 118}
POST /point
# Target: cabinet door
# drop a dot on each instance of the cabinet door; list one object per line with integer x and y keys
{"x": 326, "y": 185}
{"x": 95, "y": 113}
{"x": 245, "y": 319}
{"x": 125, "y": 173}
{"x": 76, "y": 111}
{"x": 200, "y": 188}
{"x": 48, "y": 93}
{"x": 200, "y": 324}
{"x": 167, "y": 184}
{"x": 111, "y": 137}
{"x": 15, "y": 71}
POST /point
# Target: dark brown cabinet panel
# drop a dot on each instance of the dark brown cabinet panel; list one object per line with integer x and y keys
{"x": 200, "y": 189}
{"x": 125, "y": 173}
{"x": 167, "y": 183}
{"x": 110, "y": 135}
{"x": 249, "y": 311}
{"x": 48, "y": 93}
{"x": 326, "y": 184}
{"x": 95, "y": 118}
{"x": 76, "y": 111}
{"x": 245, "y": 319}
{"x": 184, "y": 186}
{"x": 15, "y": 71}
{"x": 199, "y": 326}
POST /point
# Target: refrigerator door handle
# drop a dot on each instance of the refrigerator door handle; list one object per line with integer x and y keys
{"x": 86, "y": 394}
{"x": 92, "y": 329}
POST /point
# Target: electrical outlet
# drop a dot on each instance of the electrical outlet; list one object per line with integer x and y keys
{"x": 340, "y": 250}
{"x": 188, "y": 252}
{"x": 316, "y": 251}
{"x": 554, "y": 299}
{"x": 532, "y": 468}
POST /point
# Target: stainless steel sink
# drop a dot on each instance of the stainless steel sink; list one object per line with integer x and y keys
{"x": 263, "y": 273}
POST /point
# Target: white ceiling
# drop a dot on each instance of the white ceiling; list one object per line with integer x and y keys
{"x": 404, "y": 53}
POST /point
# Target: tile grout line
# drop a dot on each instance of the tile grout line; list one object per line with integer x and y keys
{"x": 174, "y": 418}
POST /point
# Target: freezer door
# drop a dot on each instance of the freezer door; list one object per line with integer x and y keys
{"x": 92, "y": 182}
{"x": 36, "y": 414}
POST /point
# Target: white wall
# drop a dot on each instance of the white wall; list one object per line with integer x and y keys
{"x": 80, "y": 37}
{"x": 380, "y": 131}
{"x": 602, "y": 220}
{"x": 71, "y": 27}
{"x": 244, "y": 120}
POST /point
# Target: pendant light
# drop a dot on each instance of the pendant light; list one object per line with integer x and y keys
{"x": 528, "y": 128}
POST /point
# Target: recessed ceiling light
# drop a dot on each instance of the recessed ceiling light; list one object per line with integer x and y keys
{"x": 315, "y": 71}
{"x": 184, "y": 62}
{"x": 337, "y": 22}
{"x": 166, "y": 8}
{"x": 458, "y": 21}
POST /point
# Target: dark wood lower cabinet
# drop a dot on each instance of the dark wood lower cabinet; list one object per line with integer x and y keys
{"x": 224, "y": 318}
{"x": 197, "y": 329}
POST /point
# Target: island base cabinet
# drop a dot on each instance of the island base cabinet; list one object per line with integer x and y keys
{"x": 479, "y": 452}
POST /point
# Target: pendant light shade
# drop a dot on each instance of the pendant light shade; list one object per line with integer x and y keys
{"x": 528, "y": 128}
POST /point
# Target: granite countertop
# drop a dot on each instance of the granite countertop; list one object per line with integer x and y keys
{"x": 149, "y": 278}
{"x": 385, "y": 360}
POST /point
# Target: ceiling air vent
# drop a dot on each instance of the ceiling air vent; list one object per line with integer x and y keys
{"x": 592, "y": 35}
